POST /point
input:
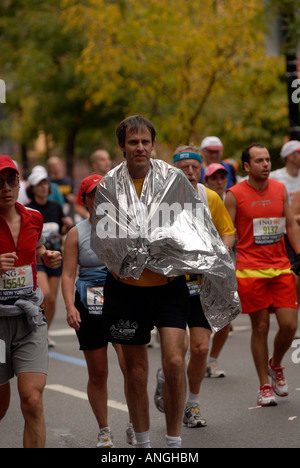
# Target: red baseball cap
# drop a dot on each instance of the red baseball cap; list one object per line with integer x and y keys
{"x": 7, "y": 163}
{"x": 89, "y": 183}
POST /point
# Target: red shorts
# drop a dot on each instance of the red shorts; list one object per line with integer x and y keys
{"x": 260, "y": 293}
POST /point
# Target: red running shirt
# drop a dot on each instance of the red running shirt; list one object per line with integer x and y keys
{"x": 260, "y": 226}
{"x": 30, "y": 233}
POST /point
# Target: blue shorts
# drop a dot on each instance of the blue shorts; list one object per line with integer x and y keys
{"x": 50, "y": 272}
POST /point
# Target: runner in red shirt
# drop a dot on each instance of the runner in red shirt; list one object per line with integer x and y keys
{"x": 21, "y": 313}
{"x": 260, "y": 209}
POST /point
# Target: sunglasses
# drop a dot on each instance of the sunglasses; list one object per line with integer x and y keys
{"x": 12, "y": 181}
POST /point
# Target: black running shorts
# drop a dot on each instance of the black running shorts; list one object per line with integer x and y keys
{"x": 131, "y": 312}
{"x": 196, "y": 317}
{"x": 90, "y": 334}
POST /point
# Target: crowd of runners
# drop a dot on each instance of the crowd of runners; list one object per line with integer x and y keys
{"x": 46, "y": 236}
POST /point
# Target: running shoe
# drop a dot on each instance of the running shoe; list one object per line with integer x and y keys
{"x": 279, "y": 383}
{"x": 105, "y": 439}
{"x": 192, "y": 416}
{"x": 159, "y": 392}
{"x": 265, "y": 396}
{"x": 130, "y": 435}
{"x": 213, "y": 372}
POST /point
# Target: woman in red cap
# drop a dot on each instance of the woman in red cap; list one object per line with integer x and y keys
{"x": 85, "y": 314}
{"x": 23, "y": 329}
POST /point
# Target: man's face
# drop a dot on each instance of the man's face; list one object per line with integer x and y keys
{"x": 192, "y": 169}
{"x": 9, "y": 188}
{"x": 259, "y": 166}
{"x": 212, "y": 156}
{"x": 102, "y": 163}
{"x": 138, "y": 147}
{"x": 295, "y": 158}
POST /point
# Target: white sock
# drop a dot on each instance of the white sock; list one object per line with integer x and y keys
{"x": 173, "y": 442}
{"x": 212, "y": 360}
{"x": 161, "y": 375}
{"x": 105, "y": 429}
{"x": 142, "y": 439}
{"x": 193, "y": 398}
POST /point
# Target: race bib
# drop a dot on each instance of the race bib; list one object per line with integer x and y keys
{"x": 95, "y": 299}
{"x": 15, "y": 282}
{"x": 268, "y": 231}
{"x": 50, "y": 229}
{"x": 194, "y": 288}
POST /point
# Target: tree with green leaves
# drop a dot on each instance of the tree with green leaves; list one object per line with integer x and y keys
{"x": 46, "y": 92}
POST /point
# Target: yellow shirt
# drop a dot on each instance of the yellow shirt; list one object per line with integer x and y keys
{"x": 219, "y": 214}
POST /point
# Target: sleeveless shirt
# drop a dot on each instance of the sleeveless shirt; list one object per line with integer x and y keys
{"x": 260, "y": 226}
{"x": 87, "y": 259}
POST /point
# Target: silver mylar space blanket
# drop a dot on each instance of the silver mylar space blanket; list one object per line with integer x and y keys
{"x": 167, "y": 230}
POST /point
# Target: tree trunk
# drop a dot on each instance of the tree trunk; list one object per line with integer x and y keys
{"x": 70, "y": 151}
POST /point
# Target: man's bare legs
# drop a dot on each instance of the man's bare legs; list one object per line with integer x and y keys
{"x": 136, "y": 365}
{"x": 172, "y": 347}
{"x": 287, "y": 321}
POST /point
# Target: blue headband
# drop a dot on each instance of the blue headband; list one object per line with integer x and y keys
{"x": 187, "y": 155}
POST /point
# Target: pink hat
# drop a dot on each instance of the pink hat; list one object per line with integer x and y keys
{"x": 212, "y": 168}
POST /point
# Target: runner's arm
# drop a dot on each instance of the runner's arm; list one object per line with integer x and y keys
{"x": 68, "y": 277}
{"x": 292, "y": 229}
{"x": 231, "y": 205}
{"x": 295, "y": 206}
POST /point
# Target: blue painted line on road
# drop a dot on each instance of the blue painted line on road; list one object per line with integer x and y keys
{"x": 69, "y": 359}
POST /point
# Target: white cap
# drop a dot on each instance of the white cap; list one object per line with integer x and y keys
{"x": 289, "y": 148}
{"x": 38, "y": 174}
{"x": 212, "y": 143}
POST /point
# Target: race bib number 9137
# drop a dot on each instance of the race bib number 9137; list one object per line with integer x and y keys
{"x": 268, "y": 231}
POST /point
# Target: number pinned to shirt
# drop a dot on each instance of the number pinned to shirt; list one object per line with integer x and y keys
{"x": 268, "y": 230}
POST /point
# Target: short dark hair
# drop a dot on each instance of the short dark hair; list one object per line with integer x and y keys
{"x": 246, "y": 152}
{"x": 133, "y": 123}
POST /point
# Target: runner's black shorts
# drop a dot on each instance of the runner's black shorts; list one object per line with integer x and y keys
{"x": 90, "y": 333}
{"x": 131, "y": 312}
{"x": 196, "y": 317}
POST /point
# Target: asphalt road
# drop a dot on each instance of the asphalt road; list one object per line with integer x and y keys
{"x": 228, "y": 404}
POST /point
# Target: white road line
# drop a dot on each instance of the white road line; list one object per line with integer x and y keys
{"x": 83, "y": 396}
{"x": 63, "y": 332}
